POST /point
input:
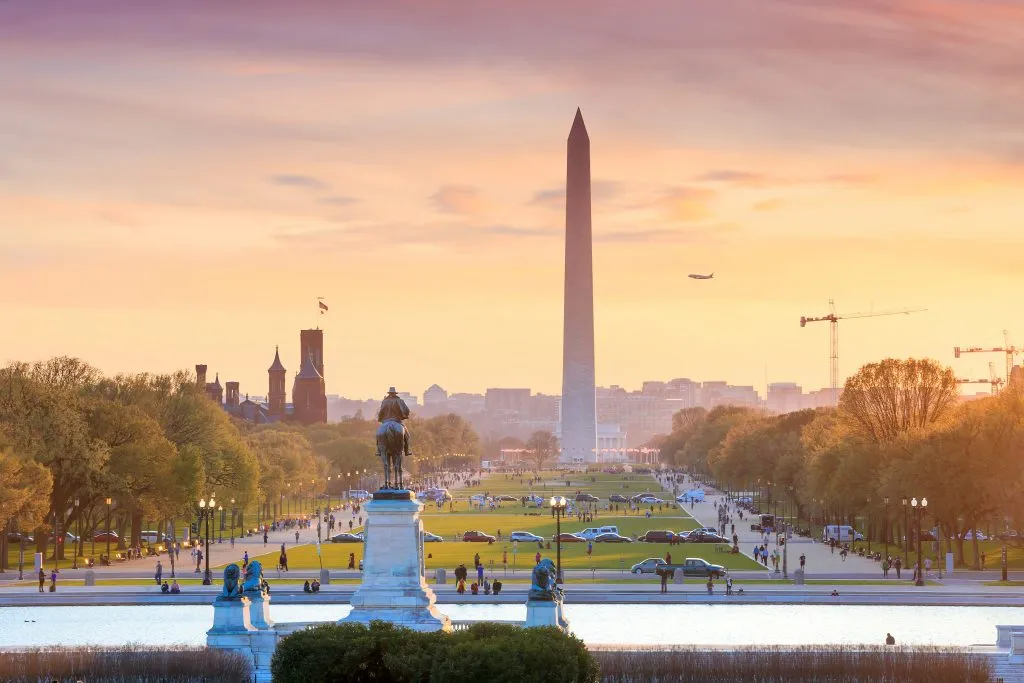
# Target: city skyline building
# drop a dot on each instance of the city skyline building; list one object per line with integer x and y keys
{"x": 578, "y": 419}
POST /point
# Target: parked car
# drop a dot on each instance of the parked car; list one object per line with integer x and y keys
{"x": 969, "y": 535}
{"x": 16, "y": 536}
{"x": 104, "y": 536}
{"x": 587, "y": 498}
{"x": 477, "y": 537}
{"x": 569, "y": 538}
{"x": 681, "y": 536}
{"x": 525, "y": 537}
{"x": 69, "y": 538}
{"x": 593, "y": 532}
{"x": 651, "y": 500}
{"x": 346, "y": 538}
{"x": 612, "y": 538}
{"x": 505, "y": 498}
{"x": 657, "y": 537}
{"x": 698, "y": 566}
{"x": 431, "y": 538}
{"x": 617, "y": 498}
{"x": 648, "y": 566}
{"x": 702, "y": 536}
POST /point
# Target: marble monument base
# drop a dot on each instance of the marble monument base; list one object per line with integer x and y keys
{"x": 393, "y": 587}
{"x": 546, "y": 613}
{"x": 259, "y": 612}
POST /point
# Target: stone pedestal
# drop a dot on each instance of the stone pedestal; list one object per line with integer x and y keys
{"x": 231, "y": 615}
{"x": 798, "y": 577}
{"x": 393, "y": 587}
{"x": 90, "y": 578}
{"x": 259, "y": 611}
{"x": 546, "y": 613}
{"x": 325, "y": 577}
{"x": 262, "y": 646}
{"x": 231, "y": 627}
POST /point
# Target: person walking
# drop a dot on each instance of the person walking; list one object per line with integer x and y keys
{"x": 803, "y": 561}
{"x": 245, "y": 559}
{"x": 159, "y": 572}
{"x": 885, "y": 568}
{"x": 664, "y": 574}
{"x": 53, "y": 580}
{"x": 899, "y": 566}
{"x": 728, "y": 585}
{"x": 42, "y": 580}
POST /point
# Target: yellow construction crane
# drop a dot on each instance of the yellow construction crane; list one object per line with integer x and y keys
{"x": 1006, "y": 348}
{"x": 993, "y": 381}
{"x": 834, "y": 319}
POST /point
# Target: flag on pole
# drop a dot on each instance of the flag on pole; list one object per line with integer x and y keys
{"x": 321, "y": 304}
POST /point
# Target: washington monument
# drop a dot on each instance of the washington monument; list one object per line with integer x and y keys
{"x": 579, "y": 413}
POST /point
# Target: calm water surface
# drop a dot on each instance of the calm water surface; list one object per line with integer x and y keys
{"x": 595, "y": 624}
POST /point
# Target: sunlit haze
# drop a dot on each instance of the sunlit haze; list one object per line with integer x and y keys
{"x": 180, "y": 181}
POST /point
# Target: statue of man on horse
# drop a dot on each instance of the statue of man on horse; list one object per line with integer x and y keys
{"x": 392, "y": 438}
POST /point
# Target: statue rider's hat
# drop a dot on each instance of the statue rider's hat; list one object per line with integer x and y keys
{"x": 391, "y": 391}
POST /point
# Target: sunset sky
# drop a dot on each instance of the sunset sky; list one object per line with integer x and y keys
{"x": 179, "y": 181}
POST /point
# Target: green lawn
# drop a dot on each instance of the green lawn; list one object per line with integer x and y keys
{"x": 450, "y": 523}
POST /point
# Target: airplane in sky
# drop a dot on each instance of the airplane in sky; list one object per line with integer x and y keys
{"x": 701, "y": 277}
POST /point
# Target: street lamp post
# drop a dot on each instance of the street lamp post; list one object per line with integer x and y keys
{"x": 558, "y": 504}
{"x": 885, "y": 528}
{"x": 906, "y": 534}
{"x": 232, "y": 520}
{"x": 56, "y": 543}
{"x": 108, "y": 501}
{"x": 868, "y": 529}
{"x": 1006, "y": 534}
{"x": 206, "y": 511}
{"x": 78, "y": 536}
{"x": 917, "y": 518}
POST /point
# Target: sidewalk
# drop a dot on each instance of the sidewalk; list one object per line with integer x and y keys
{"x": 820, "y": 558}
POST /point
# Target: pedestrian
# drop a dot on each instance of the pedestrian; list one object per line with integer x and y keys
{"x": 479, "y": 573}
{"x": 711, "y": 585}
{"x": 264, "y": 539}
{"x": 53, "y": 580}
{"x": 982, "y": 560}
{"x": 590, "y": 548}
{"x": 889, "y": 640}
{"x": 885, "y": 568}
{"x": 42, "y": 580}
{"x": 899, "y": 566}
{"x": 728, "y": 585}
{"x": 668, "y": 558}
{"x": 664, "y": 573}
{"x": 803, "y": 561}
{"x": 245, "y": 559}
{"x": 536, "y": 558}
{"x": 296, "y": 535}
{"x": 159, "y": 572}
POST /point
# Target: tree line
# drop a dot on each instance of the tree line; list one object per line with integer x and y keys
{"x": 900, "y": 432}
{"x": 153, "y": 445}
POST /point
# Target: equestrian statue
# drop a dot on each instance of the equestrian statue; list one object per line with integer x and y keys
{"x": 392, "y": 438}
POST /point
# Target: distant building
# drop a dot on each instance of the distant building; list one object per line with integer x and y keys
{"x": 309, "y": 400}
{"x": 434, "y": 395}
{"x": 785, "y": 397}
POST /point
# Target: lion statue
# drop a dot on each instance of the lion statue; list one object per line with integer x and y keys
{"x": 544, "y": 585}
{"x": 231, "y": 587}
{"x": 253, "y": 577}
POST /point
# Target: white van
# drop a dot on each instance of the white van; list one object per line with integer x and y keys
{"x": 595, "y": 531}
{"x": 841, "y": 532}
{"x": 689, "y": 496}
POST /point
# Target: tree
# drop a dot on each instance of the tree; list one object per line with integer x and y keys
{"x": 710, "y": 433}
{"x": 684, "y": 425}
{"x": 45, "y": 423}
{"x": 883, "y": 400}
{"x": 541, "y": 448}
{"x": 25, "y": 488}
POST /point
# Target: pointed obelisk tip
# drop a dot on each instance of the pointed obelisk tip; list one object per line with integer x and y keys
{"x": 578, "y": 127}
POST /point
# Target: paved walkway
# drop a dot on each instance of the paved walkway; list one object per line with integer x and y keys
{"x": 820, "y": 558}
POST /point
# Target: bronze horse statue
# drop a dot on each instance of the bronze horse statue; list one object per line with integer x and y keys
{"x": 392, "y": 438}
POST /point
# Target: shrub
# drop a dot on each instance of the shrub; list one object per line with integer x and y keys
{"x": 384, "y": 653}
{"x": 124, "y": 664}
{"x": 832, "y": 664}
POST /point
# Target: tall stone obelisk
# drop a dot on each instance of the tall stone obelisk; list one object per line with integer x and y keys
{"x": 579, "y": 410}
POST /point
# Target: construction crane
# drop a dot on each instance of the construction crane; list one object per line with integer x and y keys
{"x": 1010, "y": 351}
{"x": 993, "y": 381}
{"x": 834, "y": 319}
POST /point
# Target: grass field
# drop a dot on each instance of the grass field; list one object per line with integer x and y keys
{"x": 450, "y": 523}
